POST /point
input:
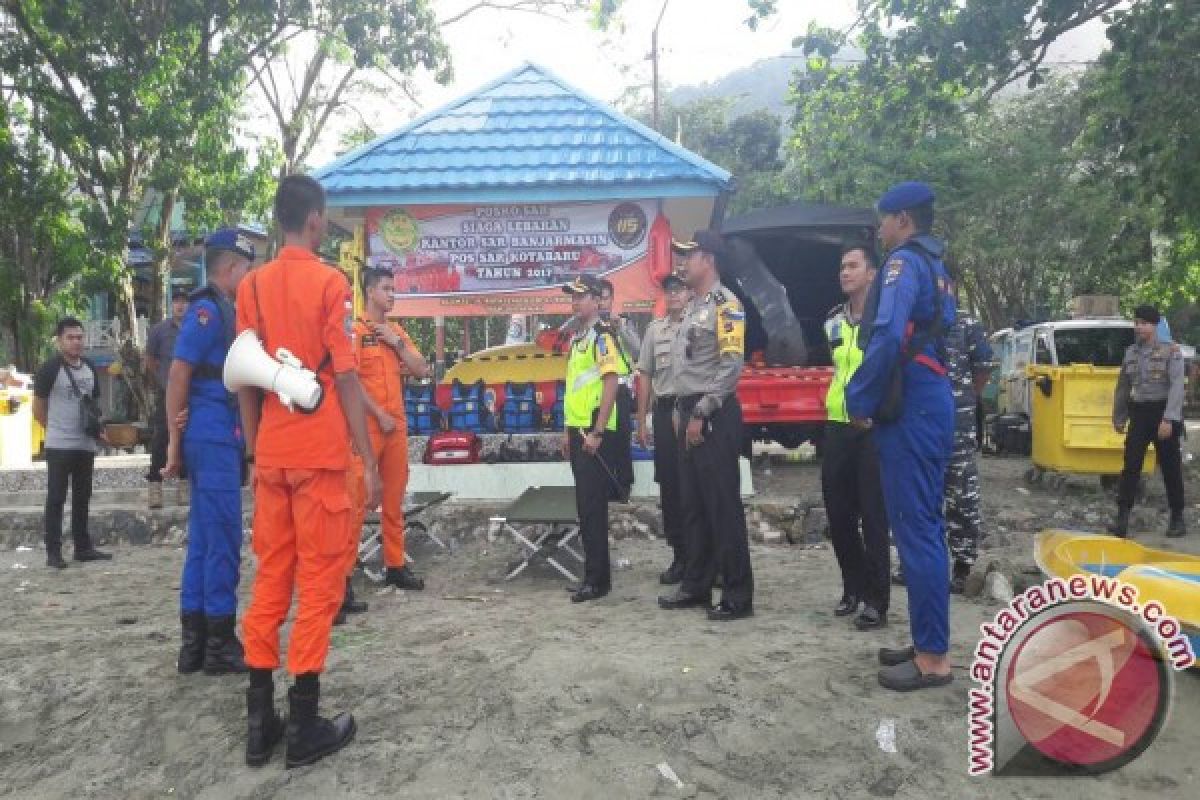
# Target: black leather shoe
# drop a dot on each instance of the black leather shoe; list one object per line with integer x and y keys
{"x": 870, "y": 619}
{"x": 1120, "y": 525}
{"x": 340, "y": 617}
{"x": 191, "y": 651}
{"x": 349, "y": 604}
{"x": 727, "y": 612}
{"x": 672, "y": 574}
{"x": 403, "y": 578}
{"x": 958, "y": 580}
{"x": 848, "y": 605}
{"x": 310, "y": 737}
{"x": 589, "y": 592}
{"x": 223, "y": 653}
{"x": 54, "y": 559}
{"x": 891, "y": 656}
{"x": 681, "y": 599}
{"x": 1176, "y": 527}
{"x": 92, "y": 554}
{"x": 264, "y": 728}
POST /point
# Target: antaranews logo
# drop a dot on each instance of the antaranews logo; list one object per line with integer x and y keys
{"x": 1074, "y": 677}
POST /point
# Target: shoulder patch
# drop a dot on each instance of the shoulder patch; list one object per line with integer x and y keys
{"x": 895, "y": 268}
{"x": 202, "y": 316}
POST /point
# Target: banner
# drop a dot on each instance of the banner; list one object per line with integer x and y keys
{"x": 503, "y": 259}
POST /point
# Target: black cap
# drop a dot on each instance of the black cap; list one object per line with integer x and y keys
{"x": 673, "y": 281}
{"x": 584, "y": 284}
{"x": 179, "y": 293}
{"x": 708, "y": 241}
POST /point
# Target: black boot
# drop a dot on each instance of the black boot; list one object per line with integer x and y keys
{"x": 402, "y": 578}
{"x": 86, "y": 551}
{"x": 1176, "y": 527}
{"x": 672, "y": 574}
{"x": 309, "y": 737}
{"x": 1120, "y": 525}
{"x": 54, "y": 555}
{"x": 222, "y": 651}
{"x": 191, "y": 652}
{"x": 349, "y": 604}
{"x": 264, "y": 728}
{"x": 958, "y": 579}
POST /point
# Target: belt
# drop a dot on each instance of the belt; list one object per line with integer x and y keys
{"x": 930, "y": 362}
{"x": 688, "y": 401}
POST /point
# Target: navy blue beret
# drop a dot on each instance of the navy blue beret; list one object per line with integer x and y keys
{"x": 904, "y": 196}
{"x": 233, "y": 240}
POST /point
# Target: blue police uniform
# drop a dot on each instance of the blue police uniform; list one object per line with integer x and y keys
{"x": 910, "y": 291}
{"x": 213, "y": 455}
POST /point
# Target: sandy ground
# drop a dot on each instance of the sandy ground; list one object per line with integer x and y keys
{"x": 524, "y": 695}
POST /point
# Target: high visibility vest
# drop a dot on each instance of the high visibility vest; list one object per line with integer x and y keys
{"x": 847, "y": 356}
{"x": 592, "y": 356}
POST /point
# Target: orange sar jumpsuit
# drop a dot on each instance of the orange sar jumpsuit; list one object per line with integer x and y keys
{"x": 382, "y": 374}
{"x": 301, "y": 504}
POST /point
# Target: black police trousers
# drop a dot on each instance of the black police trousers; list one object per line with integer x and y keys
{"x": 850, "y": 485}
{"x": 666, "y": 474}
{"x": 594, "y": 488}
{"x": 714, "y": 521}
{"x": 1142, "y": 431}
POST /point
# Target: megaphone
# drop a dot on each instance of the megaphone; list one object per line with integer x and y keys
{"x": 248, "y": 364}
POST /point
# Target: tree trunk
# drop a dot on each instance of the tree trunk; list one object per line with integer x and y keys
{"x": 164, "y": 247}
{"x": 129, "y": 350}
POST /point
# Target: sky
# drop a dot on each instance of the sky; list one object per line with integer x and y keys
{"x": 699, "y": 41}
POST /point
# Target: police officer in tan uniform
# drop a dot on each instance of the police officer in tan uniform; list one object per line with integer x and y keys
{"x": 658, "y": 390}
{"x": 706, "y": 361}
{"x": 1148, "y": 407}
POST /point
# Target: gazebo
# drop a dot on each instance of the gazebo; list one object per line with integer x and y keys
{"x": 488, "y": 205}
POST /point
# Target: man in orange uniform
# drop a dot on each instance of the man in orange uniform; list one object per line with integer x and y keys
{"x": 385, "y": 353}
{"x": 302, "y": 506}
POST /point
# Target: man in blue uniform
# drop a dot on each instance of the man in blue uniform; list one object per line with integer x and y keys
{"x": 903, "y": 393}
{"x": 212, "y": 447}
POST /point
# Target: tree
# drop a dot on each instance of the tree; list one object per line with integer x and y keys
{"x": 46, "y": 257}
{"x": 123, "y": 96}
{"x": 345, "y": 49}
{"x": 747, "y": 145}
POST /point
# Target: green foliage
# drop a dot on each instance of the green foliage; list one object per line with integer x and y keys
{"x": 747, "y": 145}
{"x": 1065, "y": 190}
{"x": 47, "y": 262}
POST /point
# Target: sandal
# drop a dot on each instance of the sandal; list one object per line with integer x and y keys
{"x": 908, "y": 677}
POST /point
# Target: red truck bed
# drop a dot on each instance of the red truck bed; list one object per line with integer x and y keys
{"x": 783, "y": 395}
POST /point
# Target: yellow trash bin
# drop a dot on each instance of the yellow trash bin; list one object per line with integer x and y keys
{"x": 1071, "y": 419}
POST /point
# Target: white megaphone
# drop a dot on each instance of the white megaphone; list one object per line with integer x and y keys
{"x": 248, "y": 364}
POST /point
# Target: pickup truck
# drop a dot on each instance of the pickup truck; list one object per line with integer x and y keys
{"x": 784, "y": 268}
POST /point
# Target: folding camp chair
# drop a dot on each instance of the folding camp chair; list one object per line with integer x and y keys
{"x": 415, "y": 504}
{"x": 544, "y": 522}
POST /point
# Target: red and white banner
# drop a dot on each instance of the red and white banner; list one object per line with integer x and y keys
{"x": 472, "y": 260}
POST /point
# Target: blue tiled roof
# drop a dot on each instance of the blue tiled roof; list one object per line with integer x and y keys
{"x": 526, "y": 137}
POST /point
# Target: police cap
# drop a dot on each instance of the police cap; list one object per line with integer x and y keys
{"x": 904, "y": 196}
{"x": 233, "y": 240}
{"x": 707, "y": 241}
{"x": 672, "y": 282}
{"x": 584, "y": 284}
